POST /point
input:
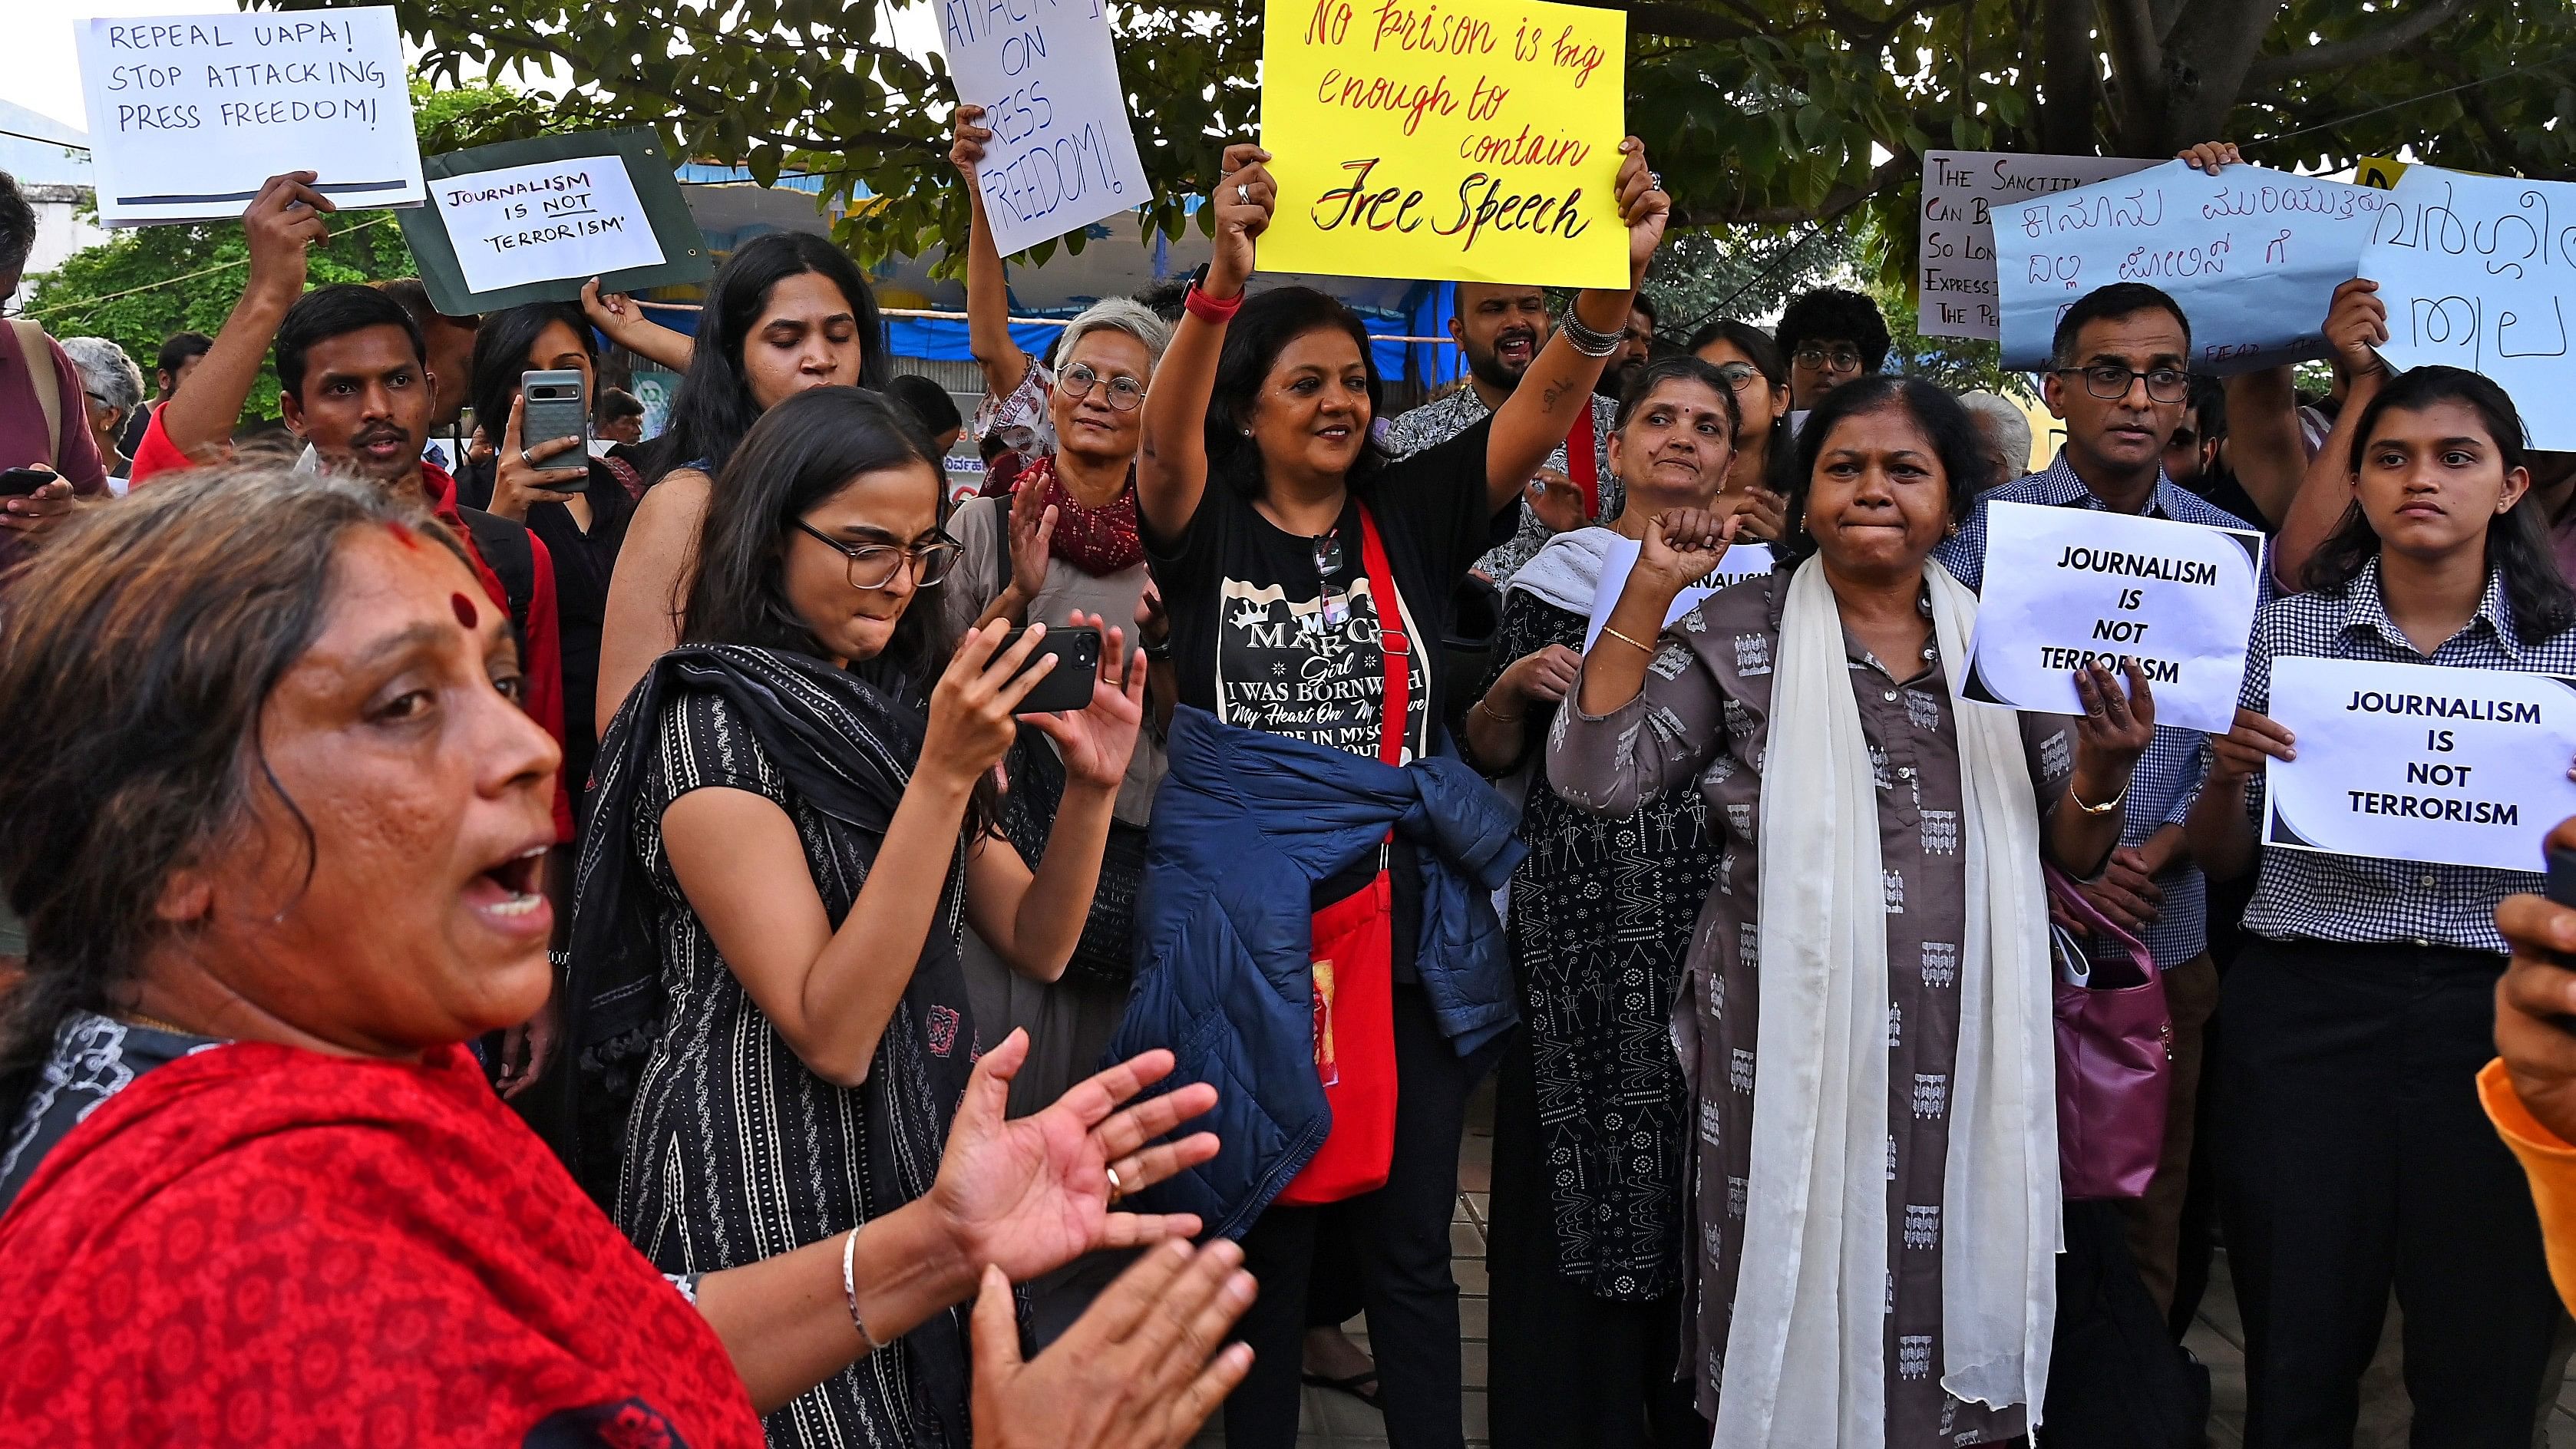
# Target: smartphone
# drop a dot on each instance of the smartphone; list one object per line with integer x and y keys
{"x": 19, "y": 482}
{"x": 1077, "y": 664}
{"x": 2562, "y": 877}
{"x": 558, "y": 406}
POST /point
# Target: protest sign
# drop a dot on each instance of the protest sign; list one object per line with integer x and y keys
{"x": 530, "y": 221}
{"x": 1063, "y": 154}
{"x": 2477, "y": 272}
{"x": 2420, "y": 762}
{"x": 2379, "y": 173}
{"x": 1458, "y": 140}
{"x": 1955, "y": 263}
{"x": 2252, "y": 255}
{"x": 1741, "y": 561}
{"x": 2067, "y": 587}
{"x": 190, "y": 114}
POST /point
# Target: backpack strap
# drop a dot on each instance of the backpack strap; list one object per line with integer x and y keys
{"x": 38, "y": 350}
{"x": 504, "y": 548}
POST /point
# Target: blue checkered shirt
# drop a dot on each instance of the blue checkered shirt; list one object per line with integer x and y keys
{"x": 2310, "y": 896}
{"x": 2168, "y": 775}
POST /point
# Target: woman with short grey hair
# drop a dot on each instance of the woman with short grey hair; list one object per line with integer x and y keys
{"x": 113, "y": 389}
{"x": 2005, "y": 430}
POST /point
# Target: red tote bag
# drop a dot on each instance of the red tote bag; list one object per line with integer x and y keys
{"x": 1354, "y": 963}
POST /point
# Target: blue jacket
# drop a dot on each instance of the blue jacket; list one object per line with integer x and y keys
{"x": 1244, "y": 826}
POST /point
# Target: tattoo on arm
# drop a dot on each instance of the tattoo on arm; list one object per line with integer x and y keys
{"x": 1555, "y": 394}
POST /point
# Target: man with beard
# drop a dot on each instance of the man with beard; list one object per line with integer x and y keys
{"x": 1636, "y": 348}
{"x": 1500, "y": 328}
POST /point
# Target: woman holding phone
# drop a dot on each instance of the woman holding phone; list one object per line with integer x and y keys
{"x": 791, "y": 827}
{"x": 2354, "y": 1153}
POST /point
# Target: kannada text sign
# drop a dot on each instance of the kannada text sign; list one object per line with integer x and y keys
{"x": 1063, "y": 154}
{"x": 1956, "y": 261}
{"x": 189, "y": 115}
{"x": 1474, "y": 141}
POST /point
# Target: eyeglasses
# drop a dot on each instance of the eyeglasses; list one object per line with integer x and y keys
{"x": 1333, "y": 607}
{"x": 1736, "y": 374}
{"x": 1840, "y": 359}
{"x": 1126, "y": 394}
{"x": 874, "y": 565}
{"x": 2111, "y": 383}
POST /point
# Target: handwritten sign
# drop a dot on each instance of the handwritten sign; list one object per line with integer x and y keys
{"x": 190, "y": 114}
{"x": 1457, "y": 140}
{"x": 2252, "y": 255}
{"x": 2478, "y": 272}
{"x": 2067, "y": 587}
{"x": 1741, "y": 561}
{"x": 530, "y": 221}
{"x": 1063, "y": 154}
{"x": 2420, "y": 762}
{"x": 1956, "y": 260}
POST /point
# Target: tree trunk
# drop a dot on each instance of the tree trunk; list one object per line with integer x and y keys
{"x": 2066, "y": 78}
{"x": 2205, "y": 64}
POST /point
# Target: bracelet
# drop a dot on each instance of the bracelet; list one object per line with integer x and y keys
{"x": 1209, "y": 309}
{"x": 1587, "y": 341}
{"x": 1487, "y": 705}
{"x": 1609, "y": 632}
{"x": 1156, "y": 650}
{"x": 2106, "y": 807}
{"x": 850, "y": 1291}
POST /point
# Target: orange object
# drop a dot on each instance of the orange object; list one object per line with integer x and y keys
{"x": 2549, "y": 1163}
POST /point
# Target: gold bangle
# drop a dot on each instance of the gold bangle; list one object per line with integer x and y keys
{"x": 1487, "y": 705}
{"x": 1624, "y": 639}
{"x": 2106, "y": 807}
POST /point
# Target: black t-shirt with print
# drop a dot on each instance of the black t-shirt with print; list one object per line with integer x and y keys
{"x": 1263, "y": 642}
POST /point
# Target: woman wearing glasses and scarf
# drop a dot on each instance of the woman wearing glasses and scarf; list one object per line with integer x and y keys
{"x": 1316, "y": 933}
{"x": 789, "y": 833}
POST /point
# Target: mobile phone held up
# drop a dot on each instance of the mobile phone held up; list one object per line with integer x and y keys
{"x": 1077, "y": 663}
{"x": 19, "y": 482}
{"x": 557, "y": 406}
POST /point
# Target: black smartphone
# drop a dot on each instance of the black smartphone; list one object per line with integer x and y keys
{"x": 1077, "y": 664}
{"x": 19, "y": 482}
{"x": 2562, "y": 877}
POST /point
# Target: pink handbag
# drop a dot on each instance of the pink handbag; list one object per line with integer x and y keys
{"x": 2114, "y": 1049}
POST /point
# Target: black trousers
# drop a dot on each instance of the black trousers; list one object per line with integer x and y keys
{"x": 1568, "y": 1367}
{"x": 1400, "y": 1236}
{"x": 2355, "y": 1157}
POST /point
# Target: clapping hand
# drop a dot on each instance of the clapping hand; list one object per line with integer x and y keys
{"x": 1133, "y": 1372}
{"x": 1032, "y": 537}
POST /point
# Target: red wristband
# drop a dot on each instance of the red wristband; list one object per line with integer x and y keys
{"x": 1209, "y": 309}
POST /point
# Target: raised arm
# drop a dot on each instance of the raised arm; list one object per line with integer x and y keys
{"x": 1601, "y": 758}
{"x": 2355, "y": 327}
{"x": 622, "y": 319}
{"x": 988, "y": 290}
{"x": 1557, "y": 389}
{"x": 279, "y": 223}
{"x": 1171, "y": 466}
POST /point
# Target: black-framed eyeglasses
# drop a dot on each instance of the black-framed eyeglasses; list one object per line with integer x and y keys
{"x": 1736, "y": 374}
{"x": 2111, "y": 382}
{"x": 874, "y": 565}
{"x": 1837, "y": 359}
{"x": 1126, "y": 394}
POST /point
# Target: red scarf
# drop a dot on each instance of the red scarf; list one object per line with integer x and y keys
{"x": 263, "y": 1245}
{"x": 1099, "y": 541}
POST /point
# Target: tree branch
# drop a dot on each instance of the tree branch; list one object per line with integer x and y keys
{"x": 2339, "y": 54}
{"x": 1837, "y": 201}
{"x": 1681, "y": 22}
{"x": 2066, "y": 78}
{"x": 2137, "y": 71}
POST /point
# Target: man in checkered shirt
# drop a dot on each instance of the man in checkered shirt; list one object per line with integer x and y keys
{"x": 2119, "y": 377}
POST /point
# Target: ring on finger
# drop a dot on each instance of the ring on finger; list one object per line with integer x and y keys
{"x": 524, "y": 458}
{"x": 1243, "y": 193}
{"x": 1117, "y": 1189}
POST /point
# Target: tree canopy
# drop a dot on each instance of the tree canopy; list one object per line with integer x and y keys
{"x": 1764, "y": 111}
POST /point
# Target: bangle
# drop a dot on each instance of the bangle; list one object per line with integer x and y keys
{"x": 1209, "y": 309}
{"x": 850, "y": 1291}
{"x": 1587, "y": 341}
{"x": 1611, "y": 633}
{"x": 1157, "y": 650}
{"x": 1487, "y": 705}
{"x": 2106, "y": 807}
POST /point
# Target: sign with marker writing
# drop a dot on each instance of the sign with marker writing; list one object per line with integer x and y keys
{"x": 189, "y": 115}
{"x": 1955, "y": 262}
{"x": 2252, "y": 255}
{"x": 1063, "y": 154}
{"x": 531, "y": 221}
{"x": 2067, "y": 587}
{"x": 2480, "y": 272}
{"x": 2420, "y": 762}
{"x": 1741, "y": 561}
{"x": 1456, "y": 140}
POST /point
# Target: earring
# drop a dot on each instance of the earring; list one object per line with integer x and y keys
{"x": 1247, "y": 432}
{"x": 1950, "y": 530}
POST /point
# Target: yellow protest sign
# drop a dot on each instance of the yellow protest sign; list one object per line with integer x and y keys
{"x": 2378, "y": 172}
{"x": 1454, "y": 140}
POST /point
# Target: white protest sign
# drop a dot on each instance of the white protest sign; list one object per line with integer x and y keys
{"x": 2067, "y": 587}
{"x": 190, "y": 114}
{"x": 545, "y": 222}
{"x": 1955, "y": 262}
{"x": 2420, "y": 762}
{"x": 2476, "y": 272}
{"x": 1740, "y": 562}
{"x": 2252, "y": 255}
{"x": 1063, "y": 154}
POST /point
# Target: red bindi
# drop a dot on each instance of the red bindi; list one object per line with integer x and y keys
{"x": 464, "y": 607}
{"x": 402, "y": 533}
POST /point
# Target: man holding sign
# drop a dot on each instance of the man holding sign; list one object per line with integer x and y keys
{"x": 2358, "y": 1014}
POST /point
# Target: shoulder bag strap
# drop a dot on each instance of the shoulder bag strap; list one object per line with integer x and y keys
{"x": 1393, "y": 646}
{"x": 38, "y": 351}
{"x": 1583, "y": 464}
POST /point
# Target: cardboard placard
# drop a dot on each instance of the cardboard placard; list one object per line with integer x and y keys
{"x": 1955, "y": 261}
{"x": 531, "y": 221}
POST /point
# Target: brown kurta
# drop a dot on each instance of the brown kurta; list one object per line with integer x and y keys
{"x": 1704, "y": 714}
